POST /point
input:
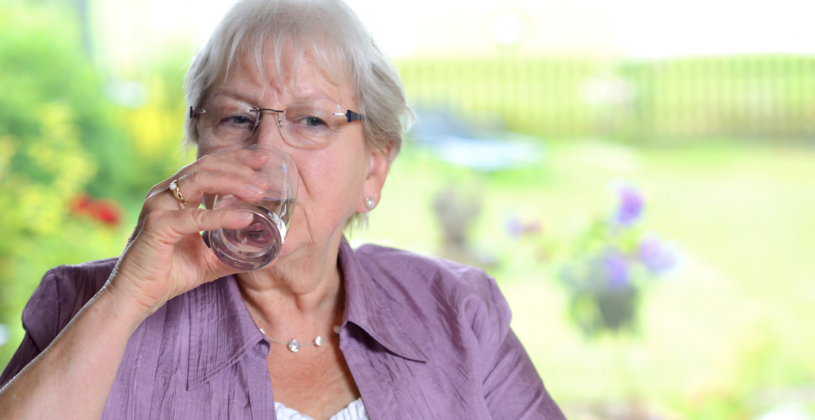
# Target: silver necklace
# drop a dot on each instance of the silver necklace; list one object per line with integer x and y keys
{"x": 294, "y": 346}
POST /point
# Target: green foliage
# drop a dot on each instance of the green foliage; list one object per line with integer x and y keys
{"x": 45, "y": 71}
{"x": 62, "y": 136}
{"x": 56, "y": 130}
{"x": 154, "y": 130}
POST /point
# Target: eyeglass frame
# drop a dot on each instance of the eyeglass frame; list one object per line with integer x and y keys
{"x": 350, "y": 115}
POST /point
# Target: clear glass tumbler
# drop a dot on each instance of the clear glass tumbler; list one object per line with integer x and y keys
{"x": 258, "y": 244}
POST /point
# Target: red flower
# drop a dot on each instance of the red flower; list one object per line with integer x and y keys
{"x": 104, "y": 210}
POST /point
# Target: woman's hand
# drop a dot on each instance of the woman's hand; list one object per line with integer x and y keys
{"x": 166, "y": 256}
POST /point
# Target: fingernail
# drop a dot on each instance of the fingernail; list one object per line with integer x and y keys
{"x": 261, "y": 180}
{"x": 256, "y": 188}
{"x": 260, "y": 153}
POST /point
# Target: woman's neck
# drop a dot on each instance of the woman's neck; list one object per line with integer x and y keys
{"x": 299, "y": 296}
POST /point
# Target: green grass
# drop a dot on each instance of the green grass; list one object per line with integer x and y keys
{"x": 722, "y": 338}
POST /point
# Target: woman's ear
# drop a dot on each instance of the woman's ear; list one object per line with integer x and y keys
{"x": 378, "y": 169}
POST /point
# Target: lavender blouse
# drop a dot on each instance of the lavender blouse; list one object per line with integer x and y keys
{"x": 424, "y": 338}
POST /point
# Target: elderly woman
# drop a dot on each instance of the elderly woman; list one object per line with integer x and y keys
{"x": 167, "y": 331}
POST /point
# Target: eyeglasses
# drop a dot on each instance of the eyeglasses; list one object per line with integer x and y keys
{"x": 309, "y": 125}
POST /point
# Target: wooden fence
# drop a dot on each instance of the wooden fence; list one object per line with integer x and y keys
{"x": 772, "y": 96}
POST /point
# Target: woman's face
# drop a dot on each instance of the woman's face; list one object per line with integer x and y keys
{"x": 334, "y": 179}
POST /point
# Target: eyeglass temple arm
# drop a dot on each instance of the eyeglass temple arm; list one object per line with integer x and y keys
{"x": 352, "y": 116}
{"x": 194, "y": 112}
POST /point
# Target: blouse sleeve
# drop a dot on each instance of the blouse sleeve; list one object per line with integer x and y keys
{"x": 40, "y": 322}
{"x": 61, "y": 294}
{"x": 512, "y": 387}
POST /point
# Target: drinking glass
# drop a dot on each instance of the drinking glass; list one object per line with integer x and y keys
{"x": 258, "y": 244}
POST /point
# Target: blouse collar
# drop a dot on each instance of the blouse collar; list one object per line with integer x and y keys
{"x": 222, "y": 331}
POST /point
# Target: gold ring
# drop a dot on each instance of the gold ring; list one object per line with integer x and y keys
{"x": 177, "y": 193}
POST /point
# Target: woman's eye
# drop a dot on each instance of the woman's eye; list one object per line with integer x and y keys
{"x": 238, "y": 120}
{"x": 311, "y": 121}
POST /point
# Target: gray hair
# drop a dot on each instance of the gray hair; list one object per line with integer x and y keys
{"x": 339, "y": 40}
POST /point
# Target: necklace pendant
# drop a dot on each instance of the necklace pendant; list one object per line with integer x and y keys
{"x": 318, "y": 341}
{"x": 294, "y": 346}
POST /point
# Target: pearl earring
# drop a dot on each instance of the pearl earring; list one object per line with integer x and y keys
{"x": 369, "y": 203}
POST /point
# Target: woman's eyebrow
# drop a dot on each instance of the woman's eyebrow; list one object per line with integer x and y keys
{"x": 296, "y": 100}
{"x": 311, "y": 97}
{"x": 233, "y": 94}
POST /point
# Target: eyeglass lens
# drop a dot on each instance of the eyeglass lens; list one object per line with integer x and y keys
{"x": 309, "y": 124}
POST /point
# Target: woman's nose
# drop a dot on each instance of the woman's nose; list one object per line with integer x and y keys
{"x": 268, "y": 132}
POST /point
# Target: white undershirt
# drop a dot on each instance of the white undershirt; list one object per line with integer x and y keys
{"x": 354, "y": 411}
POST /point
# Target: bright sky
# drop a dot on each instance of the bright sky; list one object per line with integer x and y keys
{"x": 635, "y": 28}
{"x": 659, "y": 28}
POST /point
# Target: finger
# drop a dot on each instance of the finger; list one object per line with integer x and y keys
{"x": 252, "y": 158}
{"x": 171, "y": 226}
{"x": 236, "y": 162}
{"x": 198, "y": 184}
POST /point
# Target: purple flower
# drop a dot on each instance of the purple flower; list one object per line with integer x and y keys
{"x": 656, "y": 256}
{"x": 517, "y": 228}
{"x": 513, "y": 227}
{"x": 630, "y": 206}
{"x": 615, "y": 269}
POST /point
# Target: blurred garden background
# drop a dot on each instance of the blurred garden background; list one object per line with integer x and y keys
{"x": 639, "y": 176}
